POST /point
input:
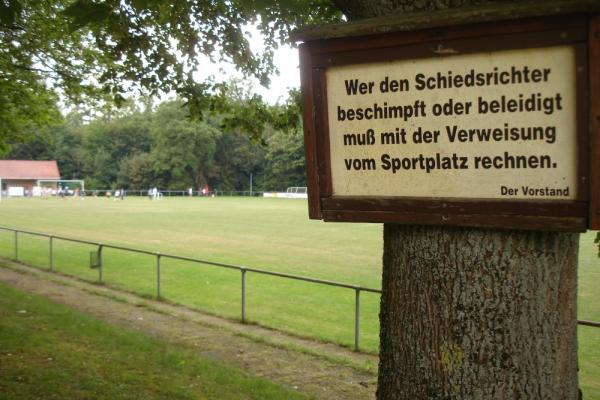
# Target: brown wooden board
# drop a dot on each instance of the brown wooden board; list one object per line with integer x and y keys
{"x": 580, "y": 32}
{"x": 310, "y": 134}
{"x": 594, "y": 122}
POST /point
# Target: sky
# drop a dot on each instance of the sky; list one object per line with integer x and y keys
{"x": 286, "y": 60}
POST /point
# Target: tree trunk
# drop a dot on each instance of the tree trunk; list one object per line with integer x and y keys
{"x": 474, "y": 313}
{"x": 478, "y": 314}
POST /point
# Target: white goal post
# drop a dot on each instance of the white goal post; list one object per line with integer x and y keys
{"x": 297, "y": 190}
{"x": 293, "y": 192}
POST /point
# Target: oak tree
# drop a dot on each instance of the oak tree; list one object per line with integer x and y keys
{"x": 86, "y": 50}
{"x": 465, "y": 313}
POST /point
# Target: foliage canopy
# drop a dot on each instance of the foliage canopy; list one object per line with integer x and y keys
{"x": 87, "y": 50}
{"x": 165, "y": 148}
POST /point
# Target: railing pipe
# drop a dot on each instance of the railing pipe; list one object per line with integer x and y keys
{"x": 243, "y": 270}
{"x": 16, "y": 245}
{"x": 158, "y": 275}
{"x": 50, "y": 253}
{"x": 114, "y": 247}
{"x": 100, "y": 262}
{"x": 589, "y": 323}
{"x": 357, "y": 319}
{"x": 243, "y": 294}
{"x": 199, "y": 261}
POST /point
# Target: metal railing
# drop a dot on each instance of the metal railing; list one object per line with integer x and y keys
{"x": 243, "y": 271}
{"x": 159, "y": 256}
{"x": 175, "y": 193}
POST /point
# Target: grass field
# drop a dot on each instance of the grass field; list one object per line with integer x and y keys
{"x": 272, "y": 234}
{"x": 52, "y": 352}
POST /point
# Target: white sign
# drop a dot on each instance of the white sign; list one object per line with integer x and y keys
{"x": 499, "y": 125}
{"x": 16, "y": 191}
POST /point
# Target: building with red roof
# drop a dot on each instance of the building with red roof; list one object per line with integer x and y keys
{"x": 26, "y": 173}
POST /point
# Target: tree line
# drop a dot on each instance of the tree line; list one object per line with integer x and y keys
{"x": 144, "y": 147}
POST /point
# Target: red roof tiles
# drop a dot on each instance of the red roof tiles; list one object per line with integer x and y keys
{"x": 21, "y": 169}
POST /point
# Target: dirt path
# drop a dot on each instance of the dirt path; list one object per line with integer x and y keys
{"x": 324, "y": 371}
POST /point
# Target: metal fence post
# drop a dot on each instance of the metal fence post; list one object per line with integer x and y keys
{"x": 157, "y": 275}
{"x": 50, "y": 256}
{"x": 100, "y": 263}
{"x": 357, "y": 320}
{"x": 243, "y": 294}
{"x": 16, "y": 245}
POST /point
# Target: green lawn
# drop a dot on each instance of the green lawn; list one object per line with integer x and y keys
{"x": 48, "y": 351}
{"x": 272, "y": 234}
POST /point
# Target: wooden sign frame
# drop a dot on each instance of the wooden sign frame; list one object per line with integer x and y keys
{"x": 582, "y": 31}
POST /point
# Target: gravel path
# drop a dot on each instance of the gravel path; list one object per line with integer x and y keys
{"x": 324, "y": 371}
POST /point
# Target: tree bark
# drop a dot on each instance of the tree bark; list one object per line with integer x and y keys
{"x": 478, "y": 314}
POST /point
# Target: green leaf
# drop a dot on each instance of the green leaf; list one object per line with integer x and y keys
{"x": 84, "y": 12}
{"x": 140, "y": 5}
{"x": 9, "y": 12}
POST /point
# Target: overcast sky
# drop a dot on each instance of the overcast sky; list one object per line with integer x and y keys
{"x": 286, "y": 60}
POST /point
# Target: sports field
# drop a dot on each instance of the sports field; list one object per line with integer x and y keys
{"x": 271, "y": 234}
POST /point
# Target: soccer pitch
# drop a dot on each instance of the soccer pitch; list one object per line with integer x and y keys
{"x": 272, "y": 234}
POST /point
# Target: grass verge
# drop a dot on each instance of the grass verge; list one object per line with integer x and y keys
{"x": 50, "y": 351}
